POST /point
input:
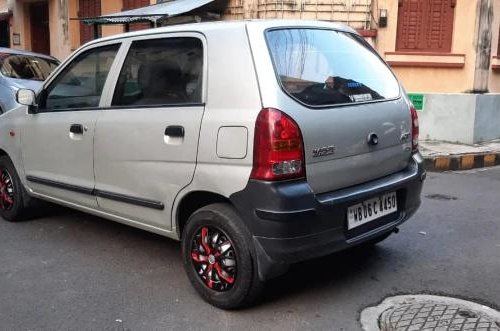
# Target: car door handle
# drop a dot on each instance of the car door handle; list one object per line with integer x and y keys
{"x": 174, "y": 131}
{"x": 76, "y": 128}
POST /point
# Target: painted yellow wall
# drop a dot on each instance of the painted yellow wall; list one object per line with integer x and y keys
{"x": 20, "y": 24}
{"x": 111, "y": 7}
{"x": 60, "y": 46}
{"x": 74, "y": 26}
{"x": 435, "y": 79}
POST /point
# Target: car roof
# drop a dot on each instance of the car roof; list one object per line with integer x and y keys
{"x": 14, "y": 51}
{"x": 223, "y": 25}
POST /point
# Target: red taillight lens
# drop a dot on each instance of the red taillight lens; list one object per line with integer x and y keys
{"x": 278, "y": 151}
{"x": 414, "y": 129}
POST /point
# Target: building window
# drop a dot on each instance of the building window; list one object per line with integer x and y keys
{"x": 425, "y": 26}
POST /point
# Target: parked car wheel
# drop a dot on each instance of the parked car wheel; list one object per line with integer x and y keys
{"x": 15, "y": 204}
{"x": 217, "y": 257}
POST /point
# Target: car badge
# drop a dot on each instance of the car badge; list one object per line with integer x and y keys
{"x": 324, "y": 151}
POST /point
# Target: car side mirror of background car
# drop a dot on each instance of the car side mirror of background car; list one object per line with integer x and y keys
{"x": 27, "y": 97}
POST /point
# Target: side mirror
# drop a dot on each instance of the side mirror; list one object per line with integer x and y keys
{"x": 26, "y": 97}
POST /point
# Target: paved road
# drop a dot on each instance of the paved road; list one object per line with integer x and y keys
{"x": 74, "y": 271}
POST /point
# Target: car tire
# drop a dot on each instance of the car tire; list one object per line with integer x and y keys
{"x": 15, "y": 203}
{"x": 218, "y": 258}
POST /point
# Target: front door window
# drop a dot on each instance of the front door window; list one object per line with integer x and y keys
{"x": 80, "y": 85}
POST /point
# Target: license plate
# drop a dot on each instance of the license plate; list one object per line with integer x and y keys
{"x": 371, "y": 209}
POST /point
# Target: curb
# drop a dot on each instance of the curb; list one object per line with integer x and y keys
{"x": 461, "y": 161}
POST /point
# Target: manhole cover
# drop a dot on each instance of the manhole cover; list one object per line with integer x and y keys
{"x": 429, "y": 313}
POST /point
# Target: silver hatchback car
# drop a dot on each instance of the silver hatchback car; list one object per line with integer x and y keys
{"x": 258, "y": 144}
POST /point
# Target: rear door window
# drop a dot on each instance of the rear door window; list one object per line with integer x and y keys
{"x": 320, "y": 67}
{"x": 161, "y": 72}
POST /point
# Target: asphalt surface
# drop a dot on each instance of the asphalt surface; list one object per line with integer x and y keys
{"x": 74, "y": 271}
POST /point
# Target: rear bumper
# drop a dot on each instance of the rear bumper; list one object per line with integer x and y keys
{"x": 289, "y": 223}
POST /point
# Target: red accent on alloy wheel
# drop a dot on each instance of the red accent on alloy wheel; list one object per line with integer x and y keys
{"x": 6, "y": 190}
{"x": 204, "y": 240}
{"x": 214, "y": 258}
{"x": 223, "y": 274}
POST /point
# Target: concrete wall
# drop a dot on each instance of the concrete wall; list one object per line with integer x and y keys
{"x": 448, "y": 117}
{"x": 460, "y": 117}
{"x": 487, "y": 123}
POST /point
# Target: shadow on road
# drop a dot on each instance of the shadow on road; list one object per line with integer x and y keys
{"x": 129, "y": 243}
{"x": 323, "y": 273}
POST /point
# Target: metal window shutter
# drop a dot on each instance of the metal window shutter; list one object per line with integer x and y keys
{"x": 410, "y": 23}
{"x": 133, "y": 4}
{"x": 88, "y": 8}
{"x": 425, "y": 25}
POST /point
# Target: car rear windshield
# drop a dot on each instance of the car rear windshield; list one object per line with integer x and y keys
{"x": 320, "y": 67}
{"x": 26, "y": 66}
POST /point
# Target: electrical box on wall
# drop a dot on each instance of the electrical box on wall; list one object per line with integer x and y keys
{"x": 382, "y": 19}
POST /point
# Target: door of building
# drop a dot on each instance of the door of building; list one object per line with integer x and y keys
{"x": 39, "y": 20}
{"x": 88, "y": 8}
{"x": 4, "y": 34}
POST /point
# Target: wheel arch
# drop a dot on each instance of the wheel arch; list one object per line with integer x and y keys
{"x": 190, "y": 203}
{"x": 4, "y": 153}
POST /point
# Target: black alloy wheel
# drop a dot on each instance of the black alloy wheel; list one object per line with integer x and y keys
{"x": 7, "y": 194}
{"x": 218, "y": 256}
{"x": 214, "y": 258}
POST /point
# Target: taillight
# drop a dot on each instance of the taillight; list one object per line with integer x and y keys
{"x": 278, "y": 151}
{"x": 414, "y": 129}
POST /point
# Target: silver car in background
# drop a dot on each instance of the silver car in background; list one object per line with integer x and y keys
{"x": 22, "y": 69}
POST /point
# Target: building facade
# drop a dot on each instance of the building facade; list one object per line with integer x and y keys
{"x": 443, "y": 46}
{"x": 49, "y": 26}
{"x": 438, "y": 46}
